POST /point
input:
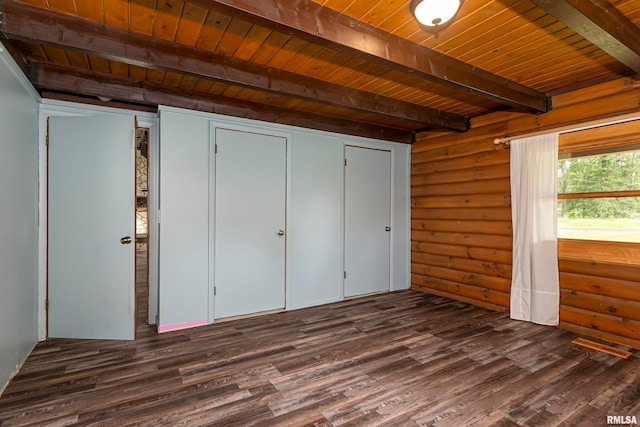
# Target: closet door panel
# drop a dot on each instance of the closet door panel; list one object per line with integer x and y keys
{"x": 250, "y": 209}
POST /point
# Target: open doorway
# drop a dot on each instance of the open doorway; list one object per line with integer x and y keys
{"x": 143, "y": 329}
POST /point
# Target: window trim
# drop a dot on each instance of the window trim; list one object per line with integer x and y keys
{"x": 599, "y": 194}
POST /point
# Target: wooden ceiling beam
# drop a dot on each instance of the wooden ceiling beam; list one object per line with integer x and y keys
{"x": 602, "y": 24}
{"x": 15, "y": 52}
{"x": 54, "y": 77}
{"x": 327, "y": 27}
{"x": 30, "y": 23}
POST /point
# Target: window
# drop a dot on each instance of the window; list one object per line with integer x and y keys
{"x": 599, "y": 193}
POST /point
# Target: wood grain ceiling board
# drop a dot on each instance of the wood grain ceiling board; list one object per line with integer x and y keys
{"x": 307, "y": 20}
{"x": 629, "y": 8}
{"x": 524, "y": 44}
{"x": 233, "y": 37}
{"x": 190, "y": 25}
{"x": 511, "y": 38}
{"x": 91, "y": 9}
{"x": 340, "y": 69}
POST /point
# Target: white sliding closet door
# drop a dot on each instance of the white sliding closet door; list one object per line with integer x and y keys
{"x": 249, "y": 235}
{"x": 367, "y": 220}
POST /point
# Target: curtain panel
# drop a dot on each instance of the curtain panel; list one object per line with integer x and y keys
{"x": 535, "y": 293}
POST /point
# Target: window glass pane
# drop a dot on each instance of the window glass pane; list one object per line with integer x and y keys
{"x": 614, "y": 219}
{"x": 607, "y": 172}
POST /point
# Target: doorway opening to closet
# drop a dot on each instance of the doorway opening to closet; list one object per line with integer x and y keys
{"x": 143, "y": 328}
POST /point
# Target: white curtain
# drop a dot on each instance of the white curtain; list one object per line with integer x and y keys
{"x": 535, "y": 294}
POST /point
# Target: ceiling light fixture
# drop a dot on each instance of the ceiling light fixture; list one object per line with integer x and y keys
{"x": 434, "y": 14}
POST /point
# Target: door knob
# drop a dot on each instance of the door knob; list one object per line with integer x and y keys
{"x": 280, "y": 232}
{"x": 125, "y": 240}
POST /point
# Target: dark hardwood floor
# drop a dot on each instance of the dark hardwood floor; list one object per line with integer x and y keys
{"x": 143, "y": 329}
{"x": 398, "y": 359}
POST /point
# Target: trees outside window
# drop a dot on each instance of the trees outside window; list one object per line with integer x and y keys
{"x": 599, "y": 196}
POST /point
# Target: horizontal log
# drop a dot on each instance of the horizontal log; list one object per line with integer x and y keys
{"x": 488, "y": 186}
{"x": 474, "y": 279}
{"x": 597, "y": 92}
{"x": 496, "y": 213}
{"x": 495, "y": 120}
{"x": 477, "y": 133}
{"x": 600, "y": 251}
{"x": 483, "y": 304}
{"x": 486, "y": 268}
{"x": 483, "y": 254}
{"x": 577, "y": 114}
{"x": 439, "y": 249}
{"x": 633, "y": 343}
{"x": 465, "y": 175}
{"x": 464, "y": 239}
{"x": 599, "y": 269}
{"x": 597, "y": 103}
{"x": 617, "y": 307}
{"x": 473, "y": 294}
{"x": 483, "y": 159}
{"x": 454, "y": 151}
{"x": 463, "y": 201}
{"x": 492, "y": 254}
{"x": 615, "y": 135}
{"x": 600, "y": 322}
{"x": 502, "y": 228}
{"x": 601, "y": 286}
{"x": 480, "y": 133}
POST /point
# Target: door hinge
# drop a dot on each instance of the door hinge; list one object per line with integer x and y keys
{"x": 345, "y": 162}
{"x": 215, "y": 291}
{"x": 46, "y": 304}
{"x": 158, "y": 217}
{"x": 345, "y": 274}
{"x": 215, "y": 149}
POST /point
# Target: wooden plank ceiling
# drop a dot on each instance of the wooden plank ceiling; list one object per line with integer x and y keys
{"x": 359, "y": 67}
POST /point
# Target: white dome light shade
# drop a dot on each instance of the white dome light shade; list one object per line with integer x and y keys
{"x": 434, "y": 12}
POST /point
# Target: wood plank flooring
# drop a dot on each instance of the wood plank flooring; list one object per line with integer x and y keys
{"x": 398, "y": 359}
{"x": 143, "y": 330}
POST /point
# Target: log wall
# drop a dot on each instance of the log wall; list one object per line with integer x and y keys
{"x": 461, "y": 219}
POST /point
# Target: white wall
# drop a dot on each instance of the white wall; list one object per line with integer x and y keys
{"x": 184, "y": 221}
{"x": 314, "y": 262}
{"x": 401, "y": 227}
{"x": 18, "y": 219}
{"x": 314, "y": 239}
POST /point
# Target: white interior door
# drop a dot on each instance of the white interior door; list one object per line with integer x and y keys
{"x": 91, "y": 208}
{"x": 367, "y": 220}
{"x": 250, "y": 194}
